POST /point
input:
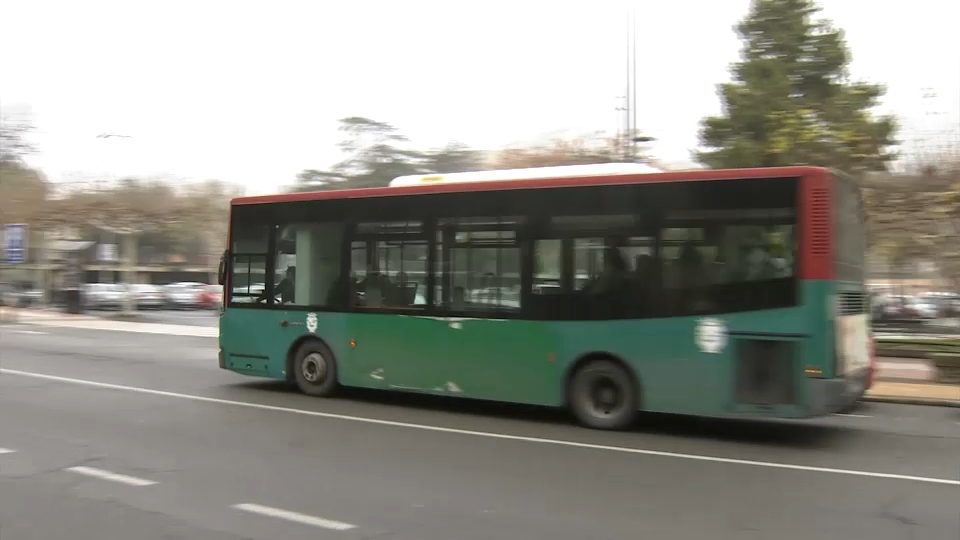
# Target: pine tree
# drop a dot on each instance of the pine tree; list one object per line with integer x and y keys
{"x": 792, "y": 100}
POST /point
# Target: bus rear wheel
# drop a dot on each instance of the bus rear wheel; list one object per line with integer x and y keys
{"x": 603, "y": 395}
{"x": 315, "y": 370}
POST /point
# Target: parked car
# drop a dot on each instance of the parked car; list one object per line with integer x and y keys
{"x": 20, "y": 294}
{"x": 183, "y": 295}
{"x": 104, "y": 295}
{"x": 147, "y": 296}
{"x": 8, "y": 295}
{"x": 211, "y": 297}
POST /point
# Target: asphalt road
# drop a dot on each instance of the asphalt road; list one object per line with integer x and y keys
{"x": 188, "y": 317}
{"x": 166, "y": 445}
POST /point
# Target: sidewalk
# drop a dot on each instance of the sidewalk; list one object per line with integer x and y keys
{"x": 87, "y": 322}
{"x": 915, "y": 393}
{"x": 22, "y": 315}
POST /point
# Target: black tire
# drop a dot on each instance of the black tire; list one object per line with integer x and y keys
{"x": 603, "y": 395}
{"x": 315, "y": 370}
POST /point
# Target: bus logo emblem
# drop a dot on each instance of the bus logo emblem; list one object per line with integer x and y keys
{"x": 711, "y": 336}
{"x": 312, "y": 322}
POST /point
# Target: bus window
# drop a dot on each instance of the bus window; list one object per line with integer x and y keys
{"x": 248, "y": 264}
{"x": 389, "y": 265}
{"x": 479, "y": 265}
{"x": 738, "y": 266}
{"x": 306, "y": 263}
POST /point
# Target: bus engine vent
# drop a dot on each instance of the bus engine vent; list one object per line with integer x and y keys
{"x": 820, "y": 223}
{"x": 766, "y": 373}
{"x": 852, "y": 303}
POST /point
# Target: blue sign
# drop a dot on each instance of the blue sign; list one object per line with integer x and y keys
{"x": 15, "y": 243}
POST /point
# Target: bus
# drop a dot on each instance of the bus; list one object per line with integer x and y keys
{"x": 606, "y": 290}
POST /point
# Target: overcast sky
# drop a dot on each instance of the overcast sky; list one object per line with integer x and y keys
{"x": 250, "y": 92}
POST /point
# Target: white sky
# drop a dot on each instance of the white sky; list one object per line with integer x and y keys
{"x": 250, "y": 92}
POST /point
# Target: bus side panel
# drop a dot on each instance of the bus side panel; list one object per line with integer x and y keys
{"x": 398, "y": 352}
{"x": 677, "y": 376}
{"x": 506, "y": 360}
{"x": 245, "y": 340}
{"x": 260, "y": 339}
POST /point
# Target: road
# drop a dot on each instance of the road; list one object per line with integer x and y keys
{"x": 891, "y": 369}
{"x": 117, "y": 435}
{"x": 189, "y": 317}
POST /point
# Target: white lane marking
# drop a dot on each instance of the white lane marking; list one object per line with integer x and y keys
{"x": 853, "y": 415}
{"x": 6, "y": 451}
{"x": 112, "y": 477}
{"x": 294, "y": 516}
{"x": 488, "y": 434}
{"x": 30, "y": 332}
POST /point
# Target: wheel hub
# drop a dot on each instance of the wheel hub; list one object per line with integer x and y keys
{"x": 605, "y": 396}
{"x": 314, "y": 368}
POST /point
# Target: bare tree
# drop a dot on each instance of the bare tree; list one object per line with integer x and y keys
{"x": 916, "y": 216}
{"x": 128, "y": 209}
{"x": 14, "y": 144}
{"x": 23, "y": 194}
{"x": 590, "y": 149}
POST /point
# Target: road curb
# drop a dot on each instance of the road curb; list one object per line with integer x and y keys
{"x": 913, "y": 401}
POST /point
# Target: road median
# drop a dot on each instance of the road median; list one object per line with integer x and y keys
{"x": 943, "y": 354}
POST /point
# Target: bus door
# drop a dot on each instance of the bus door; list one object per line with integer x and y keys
{"x": 500, "y": 359}
{"x": 489, "y": 352}
{"x": 394, "y": 345}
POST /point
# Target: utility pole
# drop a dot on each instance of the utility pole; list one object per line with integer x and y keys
{"x": 630, "y": 136}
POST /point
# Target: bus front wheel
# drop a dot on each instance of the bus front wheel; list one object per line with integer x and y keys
{"x": 315, "y": 369}
{"x": 603, "y": 395}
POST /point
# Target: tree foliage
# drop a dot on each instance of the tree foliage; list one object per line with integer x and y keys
{"x": 23, "y": 194}
{"x": 203, "y": 212}
{"x": 586, "y": 150}
{"x": 376, "y": 153}
{"x": 916, "y": 216}
{"x": 792, "y": 101}
{"x": 14, "y": 144}
{"x": 23, "y": 190}
{"x": 130, "y": 206}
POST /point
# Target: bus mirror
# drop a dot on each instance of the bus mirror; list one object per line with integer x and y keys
{"x": 222, "y": 269}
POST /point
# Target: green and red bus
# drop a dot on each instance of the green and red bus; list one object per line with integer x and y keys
{"x": 606, "y": 289}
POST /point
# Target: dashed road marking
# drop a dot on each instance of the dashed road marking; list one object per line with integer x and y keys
{"x": 487, "y": 434}
{"x": 30, "y": 332}
{"x": 111, "y": 477}
{"x": 7, "y": 451}
{"x": 853, "y": 415}
{"x": 296, "y": 517}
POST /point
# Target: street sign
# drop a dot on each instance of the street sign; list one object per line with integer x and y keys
{"x": 15, "y": 243}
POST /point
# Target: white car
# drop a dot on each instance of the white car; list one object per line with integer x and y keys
{"x": 147, "y": 296}
{"x": 183, "y": 295}
{"x": 104, "y": 295}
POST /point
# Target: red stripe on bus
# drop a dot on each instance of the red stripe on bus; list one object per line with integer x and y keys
{"x": 575, "y": 181}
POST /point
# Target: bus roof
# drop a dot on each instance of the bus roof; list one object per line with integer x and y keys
{"x": 564, "y": 171}
{"x": 529, "y": 179}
